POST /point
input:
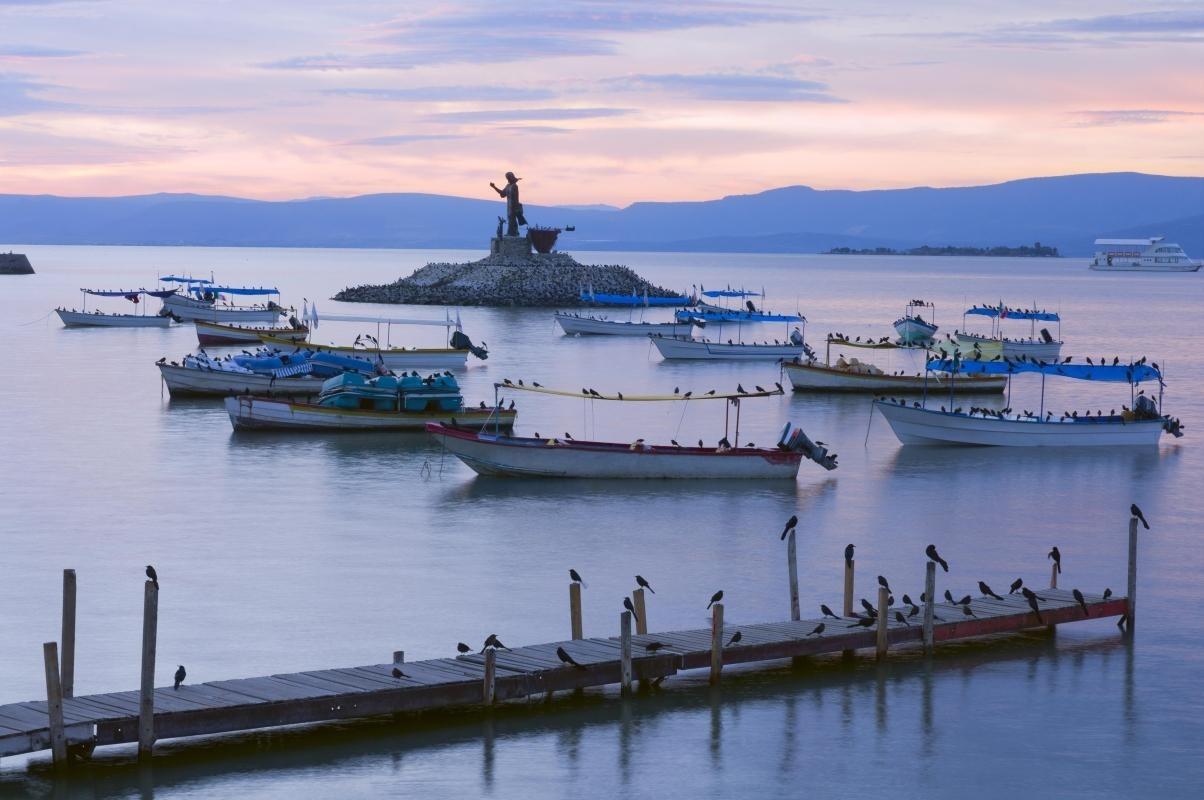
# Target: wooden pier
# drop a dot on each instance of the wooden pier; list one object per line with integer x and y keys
{"x": 69, "y": 725}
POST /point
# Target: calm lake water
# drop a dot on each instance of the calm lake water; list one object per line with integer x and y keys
{"x": 282, "y": 553}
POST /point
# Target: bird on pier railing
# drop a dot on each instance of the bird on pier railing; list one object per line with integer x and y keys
{"x": 1136, "y": 512}
{"x": 1107, "y": 594}
{"x": 643, "y": 584}
{"x": 965, "y": 601}
{"x": 931, "y": 552}
{"x": 1029, "y": 593}
{"x": 1078, "y": 598}
{"x": 1057, "y": 559}
{"x": 884, "y": 583}
{"x": 1032, "y": 603}
{"x": 652, "y": 647}
{"x": 715, "y": 598}
{"x": 494, "y": 642}
{"x": 900, "y": 618}
{"x": 949, "y": 598}
{"x": 827, "y": 612}
{"x": 462, "y": 648}
{"x": 563, "y": 655}
{"x": 969, "y": 613}
{"x": 864, "y": 622}
{"x": 790, "y": 524}
{"x": 627, "y": 604}
{"x": 818, "y": 630}
{"x": 869, "y": 607}
{"x": 982, "y": 587}
{"x": 399, "y": 674}
{"x": 181, "y": 674}
{"x": 736, "y": 637}
{"x": 154, "y": 576}
{"x": 1016, "y": 584}
{"x": 848, "y": 555}
{"x": 575, "y": 576}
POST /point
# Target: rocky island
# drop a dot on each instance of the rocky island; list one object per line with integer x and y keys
{"x": 520, "y": 270}
{"x": 15, "y": 264}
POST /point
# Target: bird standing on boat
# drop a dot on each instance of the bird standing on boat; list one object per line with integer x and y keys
{"x": 181, "y": 674}
{"x": 931, "y": 552}
{"x": 1136, "y": 513}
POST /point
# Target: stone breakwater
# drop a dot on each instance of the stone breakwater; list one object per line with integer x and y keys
{"x": 555, "y": 279}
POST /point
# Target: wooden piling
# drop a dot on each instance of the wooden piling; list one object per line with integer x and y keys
{"x": 625, "y": 651}
{"x": 1132, "y": 591}
{"x": 883, "y": 615}
{"x": 575, "y": 610}
{"x": 146, "y": 700}
{"x": 490, "y": 672}
{"x": 792, "y": 565}
{"x": 399, "y": 656}
{"x": 54, "y": 704}
{"x": 929, "y": 604}
{"x": 67, "y": 655}
{"x": 641, "y": 612}
{"x": 716, "y": 642}
{"x": 848, "y": 588}
{"x": 1053, "y": 576}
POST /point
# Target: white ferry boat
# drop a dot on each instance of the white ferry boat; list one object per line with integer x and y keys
{"x": 1141, "y": 255}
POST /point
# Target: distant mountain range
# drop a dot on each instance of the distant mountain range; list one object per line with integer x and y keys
{"x": 1067, "y": 212}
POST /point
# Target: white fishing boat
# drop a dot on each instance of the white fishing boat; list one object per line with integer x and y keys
{"x": 912, "y": 327}
{"x": 1041, "y": 345}
{"x": 204, "y": 300}
{"x": 679, "y": 348}
{"x": 578, "y": 325}
{"x": 488, "y": 452}
{"x": 1152, "y": 254}
{"x": 917, "y": 424}
{"x": 183, "y": 381}
{"x": 216, "y": 334}
{"x": 352, "y": 402}
{"x": 84, "y": 318}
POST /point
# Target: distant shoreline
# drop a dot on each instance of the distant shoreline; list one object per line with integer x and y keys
{"x": 1036, "y": 250}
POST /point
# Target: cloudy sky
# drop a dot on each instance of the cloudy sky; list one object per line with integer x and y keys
{"x": 591, "y": 101}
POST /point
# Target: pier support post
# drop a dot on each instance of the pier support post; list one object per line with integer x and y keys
{"x": 67, "y": 656}
{"x": 848, "y": 588}
{"x": 575, "y": 610}
{"x": 1053, "y": 576}
{"x": 1132, "y": 589}
{"x": 490, "y": 671}
{"x": 54, "y": 704}
{"x": 883, "y": 624}
{"x": 399, "y": 656}
{"x": 625, "y": 651}
{"x": 641, "y": 612}
{"x": 929, "y": 603}
{"x": 716, "y": 642}
{"x": 146, "y": 700}
{"x": 792, "y": 565}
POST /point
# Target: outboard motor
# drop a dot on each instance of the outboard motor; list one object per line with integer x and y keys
{"x": 796, "y": 336}
{"x": 1145, "y": 407}
{"x": 460, "y": 341}
{"x": 1045, "y": 337}
{"x": 751, "y": 308}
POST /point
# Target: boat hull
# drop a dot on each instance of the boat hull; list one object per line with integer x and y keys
{"x": 525, "y": 458}
{"x": 185, "y": 381}
{"x": 189, "y": 309}
{"x": 262, "y": 413}
{"x": 920, "y": 426}
{"x": 590, "y": 326}
{"x": 1014, "y": 348}
{"x": 213, "y": 334}
{"x": 93, "y": 319}
{"x": 700, "y": 349}
{"x": 1188, "y": 267}
{"x": 393, "y": 358}
{"x": 820, "y": 378}
{"x": 911, "y": 330}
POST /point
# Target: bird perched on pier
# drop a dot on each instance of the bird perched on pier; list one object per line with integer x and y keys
{"x": 674, "y": 443}
{"x": 864, "y": 622}
{"x": 643, "y": 584}
{"x": 982, "y": 587}
{"x": 1032, "y": 603}
{"x": 563, "y": 655}
{"x": 790, "y": 523}
{"x": 575, "y": 576}
{"x": 818, "y": 630}
{"x": 884, "y": 583}
{"x": 1057, "y": 559}
{"x": 462, "y": 648}
{"x": 1136, "y": 512}
{"x": 848, "y": 555}
{"x": 398, "y": 673}
{"x": 181, "y": 674}
{"x": 869, "y": 608}
{"x": 627, "y": 604}
{"x": 1016, "y": 584}
{"x": 740, "y": 389}
{"x": 493, "y": 641}
{"x": 968, "y": 611}
{"x": 827, "y": 612}
{"x": 1107, "y": 593}
{"x": 652, "y": 647}
{"x": 715, "y": 598}
{"x": 1078, "y": 598}
{"x": 965, "y": 601}
{"x": 568, "y": 436}
{"x": 931, "y": 552}
{"x": 907, "y": 600}
{"x": 154, "y": 576}
{"x": 949, "y": 597}
{"x": 736, "y": 637}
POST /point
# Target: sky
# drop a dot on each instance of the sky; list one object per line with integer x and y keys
{"x": 589, "y": 101}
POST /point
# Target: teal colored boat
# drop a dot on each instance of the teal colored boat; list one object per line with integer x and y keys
{"x": 410, "y": 392}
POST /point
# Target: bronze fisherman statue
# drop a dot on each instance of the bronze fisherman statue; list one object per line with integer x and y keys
{"x": 514, "y": 209}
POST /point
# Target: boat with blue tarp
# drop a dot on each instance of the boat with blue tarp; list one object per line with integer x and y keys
{"x": 205, "y": 300}
{"x": 95, "y": 318}
{"x": 1039, "y": 344}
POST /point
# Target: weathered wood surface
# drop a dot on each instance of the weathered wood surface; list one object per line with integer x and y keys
{"x": 350, "y": 692}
